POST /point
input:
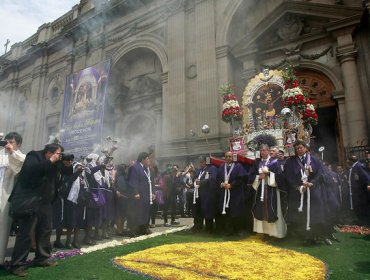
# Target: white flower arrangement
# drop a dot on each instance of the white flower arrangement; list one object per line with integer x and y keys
{"x": 114, "y": 243}
{"x": 310, "y": 107}
{"x": 291, "y": 92}
{"x": 229, "y": 104}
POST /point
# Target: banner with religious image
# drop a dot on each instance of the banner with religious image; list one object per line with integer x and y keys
{"x": 83, "y": 109}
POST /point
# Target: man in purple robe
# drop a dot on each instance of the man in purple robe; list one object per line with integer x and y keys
{"x": 232, "y": 178}
{"x": 359, "y": 182}
{"x": 204, "y": 196}
{"x": 306, "y": 203}
{"x": 141, "y": 191}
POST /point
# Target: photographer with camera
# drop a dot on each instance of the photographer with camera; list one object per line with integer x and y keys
{"x": 39, "y": 177}
{"x": 11, "y": 161}
{"x": 59, "y": 203}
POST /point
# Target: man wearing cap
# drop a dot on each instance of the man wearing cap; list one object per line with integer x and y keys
{"x": 11, "y": 161}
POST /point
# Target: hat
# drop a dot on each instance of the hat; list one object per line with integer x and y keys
{"x": 75, "y": 165}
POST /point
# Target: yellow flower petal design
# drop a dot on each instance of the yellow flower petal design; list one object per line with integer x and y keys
{"x": 248, "y": 259}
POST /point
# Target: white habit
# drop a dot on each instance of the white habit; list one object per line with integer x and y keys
{"x": 279, "y": 228}
{"x": 10, "y": 165}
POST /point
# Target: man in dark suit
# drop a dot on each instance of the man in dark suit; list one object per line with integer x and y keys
{"x": 40, "y": 172}
{"x": 140, "y": 185}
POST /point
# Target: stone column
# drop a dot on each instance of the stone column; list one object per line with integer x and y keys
{"x": 209, "y": 110}
{"x": 174, "y": 97}
{"x": 339, "y": 97}
{"x": 162, "y": 134}
{"x": 355, "y": 113}
{"x": 12, "y": 107}
{"x": 39, "y": 89}
{"x": 158, "y": 129}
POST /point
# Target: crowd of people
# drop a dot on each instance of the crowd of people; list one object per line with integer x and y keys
{"x": 276, "y": 196}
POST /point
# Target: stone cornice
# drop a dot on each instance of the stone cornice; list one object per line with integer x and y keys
{"x": 335, "y": 12}
{"x": 352, "y": 21}
{"x": 338, "y": 95}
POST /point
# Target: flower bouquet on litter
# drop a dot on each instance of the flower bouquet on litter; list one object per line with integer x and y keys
{"x": 231, "y": 110}
{"x": 295, "y": 99}
{"x": 309, "y": 115}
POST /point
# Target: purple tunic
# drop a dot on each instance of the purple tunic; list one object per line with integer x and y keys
{"x": 292, "y": 172}
{"x": 237, "y": 180}
{"x": 359, "y": 180}
{"x": 205, "y": 206}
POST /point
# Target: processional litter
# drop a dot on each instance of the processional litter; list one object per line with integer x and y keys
{"x": 274, "y": 111}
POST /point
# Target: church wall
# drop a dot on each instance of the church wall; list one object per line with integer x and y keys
{"x": 362, "y": 40}
{"x": 197, "y": 67}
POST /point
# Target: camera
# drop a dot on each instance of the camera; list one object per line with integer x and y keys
{"x": 3, "y": 143}
{"x": 68, "y": 157}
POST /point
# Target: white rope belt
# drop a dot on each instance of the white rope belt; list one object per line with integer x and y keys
{"x": 350, "y": 194}
{"x": 196, "y": 194}
{"x": 150, "y": 193}
{"x": 262, "y": 190}
{"x": 226, "y": 201}
{"x": 61, "y": 218}
{"x": 300, "y": 209}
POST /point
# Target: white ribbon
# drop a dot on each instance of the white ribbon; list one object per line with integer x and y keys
{"x": 300, "y": 209}
{"x": 350, "y": 185}
{"x": 262, "y": 190}
{"x": 263, "y": 180}
{"x": 196, "y": 187}
{"x": 227, "y": 193}
{"x": 150, "y": 186}
{"x": 226, "y": 201}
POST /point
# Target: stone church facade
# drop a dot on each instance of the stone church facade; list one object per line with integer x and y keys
{"x": 169, "y": 58}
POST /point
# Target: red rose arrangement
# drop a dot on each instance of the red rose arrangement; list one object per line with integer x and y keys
{"x": 294, "y": 98}
{"x": 231, "y": 110}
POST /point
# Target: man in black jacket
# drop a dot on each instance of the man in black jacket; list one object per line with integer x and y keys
{"x": 41, "y": 172}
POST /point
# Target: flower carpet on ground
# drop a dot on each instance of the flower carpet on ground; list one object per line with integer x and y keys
{"x": 246, "y": 259}
{"x": 355, "y": 229}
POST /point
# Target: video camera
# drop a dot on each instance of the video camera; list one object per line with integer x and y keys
{"x": 68, "y": 157}
{"x": 3, "y": 143}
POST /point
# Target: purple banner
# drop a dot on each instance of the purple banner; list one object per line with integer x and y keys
{"x": 83, "y": 109}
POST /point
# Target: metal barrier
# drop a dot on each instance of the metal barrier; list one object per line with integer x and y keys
{"x": 362, "y": 152}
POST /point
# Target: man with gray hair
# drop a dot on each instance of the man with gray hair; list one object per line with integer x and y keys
{"x": 11, "y": 161}
{"x": 267, "y": 208}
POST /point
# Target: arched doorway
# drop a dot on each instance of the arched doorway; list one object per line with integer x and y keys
{"x": 327, "y": 133}
{"x": 134, "y": 102}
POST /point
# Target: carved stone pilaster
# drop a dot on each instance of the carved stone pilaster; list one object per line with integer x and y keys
{"x": 347, "y": 53}
{"x": 248, "y": 74}
{"x": 222, "y": 51}
{"x": 164, "y": 78}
